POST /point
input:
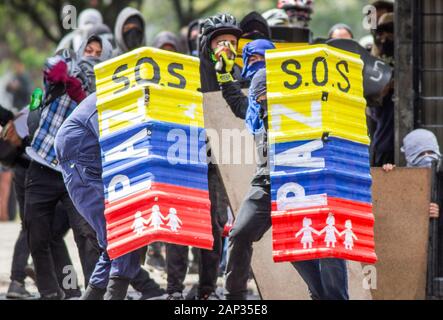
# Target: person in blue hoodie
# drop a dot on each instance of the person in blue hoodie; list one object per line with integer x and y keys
{"x": 326, "y": 278}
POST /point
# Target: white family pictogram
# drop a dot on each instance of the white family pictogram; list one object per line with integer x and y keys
{"x": 330, "y": 233}
{"x": 156, "y": 221}
{"x": 307, "y": 231}
{"x": 174, "y": 220}
{"x": 139, "y": 224}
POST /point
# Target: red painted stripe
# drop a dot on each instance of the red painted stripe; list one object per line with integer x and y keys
{"x": 285, "y": 225}
{"x": 192, "y": 206}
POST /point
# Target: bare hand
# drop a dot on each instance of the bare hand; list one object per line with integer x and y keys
{"x": 434, "y": 210}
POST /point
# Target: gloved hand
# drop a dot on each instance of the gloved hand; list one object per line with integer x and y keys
{"x": 58, "y": 73}
{"x": 225, "y": 56}
{"x": 74, "y": 89}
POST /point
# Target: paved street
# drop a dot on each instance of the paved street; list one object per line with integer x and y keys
{"x": 8, "y": 235}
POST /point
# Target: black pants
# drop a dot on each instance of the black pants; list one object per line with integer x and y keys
{"x": 177, "y": 256}
{"x": 44, "y": 189}
{"x": 21, "y": 254}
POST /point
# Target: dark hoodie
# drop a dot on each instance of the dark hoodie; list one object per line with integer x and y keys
{"x": 254, "y": 26}
{"x": 122, "y": 18}
{"x": 166, "y": 37}
{"x": 208, "y": 75}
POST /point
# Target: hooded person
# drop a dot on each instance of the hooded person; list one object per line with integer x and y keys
{"x": 192, "y": 37}
{"x": 382, "y": 109}
{"x": 78, "y": 152}
{"x": 254, "y": 216}
{"x": 254, "y": 26}
{"x": 104, "y": 31}
{"x": 167, "y": 40}
{"x": 384, "y": 39}
{"x": 87, "y": 19}
{"x": 129, "y": 31}
{"x": 340, "y": 31}
{"x": 420, "y": 148}
{"x": 96, "y": 49}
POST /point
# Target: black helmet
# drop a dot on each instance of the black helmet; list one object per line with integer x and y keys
{"x": 220, "y": 24}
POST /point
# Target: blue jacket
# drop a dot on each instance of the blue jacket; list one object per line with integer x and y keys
{"x": 78, "y": 151}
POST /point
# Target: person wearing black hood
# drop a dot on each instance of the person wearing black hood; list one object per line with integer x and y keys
{"x": 129, "y": 32}
{"x": 69, "y": 78}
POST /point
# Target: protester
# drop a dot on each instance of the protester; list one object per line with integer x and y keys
{"x": 66, "y": 84}
{"x": 167, "y": 40}
{"x": 421, "y": 150}
{"x": 103, "y": 31}
{"x": 254, "y": 26}
{"x": 382, "y": 109}
{"x": 193, "y": 37}
{"x": 298, "y": 11}
{"x": 340, "y": 31}
{"x": 78, "y": 149}
{"x": 218, "y": 33}
{"x": 326, "y": 278}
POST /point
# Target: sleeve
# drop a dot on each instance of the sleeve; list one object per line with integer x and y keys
{"x": 235, "y": 98}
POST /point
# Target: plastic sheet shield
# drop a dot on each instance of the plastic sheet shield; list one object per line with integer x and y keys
{"x": 153, "y": 151}
{"x": 319, "y": 159}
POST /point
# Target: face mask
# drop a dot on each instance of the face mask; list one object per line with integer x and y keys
{"x": 424, "y": 161}
{"x": 249, "y": 71}
{"x": 133, "y": 38}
